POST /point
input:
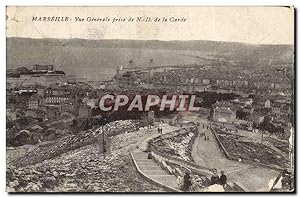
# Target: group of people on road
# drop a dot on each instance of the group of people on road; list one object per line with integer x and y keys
{"x": 206, "y": 137}
{"x": 194, "y": 183}
{"x": 216, "y": 179}
{"x": 159, "y": 129}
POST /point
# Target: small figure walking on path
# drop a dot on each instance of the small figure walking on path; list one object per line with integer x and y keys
{"x": 149, "y": 155}
{"x": 214, "y": 178}
{"x": 160, "y": 132}
{"x": 223, "y": 179}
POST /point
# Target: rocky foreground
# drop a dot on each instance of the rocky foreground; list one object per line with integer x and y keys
{"x": 84, "y": 169}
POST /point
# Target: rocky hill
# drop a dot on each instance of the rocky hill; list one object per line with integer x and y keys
{"x": 76, "y": 164}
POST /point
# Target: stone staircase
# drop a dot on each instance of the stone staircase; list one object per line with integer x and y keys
{"x": 154, "y": 172}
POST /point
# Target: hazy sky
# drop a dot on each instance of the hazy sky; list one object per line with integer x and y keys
{"x": 256, "y": 25}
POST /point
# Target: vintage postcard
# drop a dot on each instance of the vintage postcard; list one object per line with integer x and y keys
{"x": 150, "y": 99}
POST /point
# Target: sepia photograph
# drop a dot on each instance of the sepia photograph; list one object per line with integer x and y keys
{"x": 150, "y": 99}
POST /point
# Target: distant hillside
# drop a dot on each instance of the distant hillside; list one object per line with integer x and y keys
{"x": 97, "y": 59}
